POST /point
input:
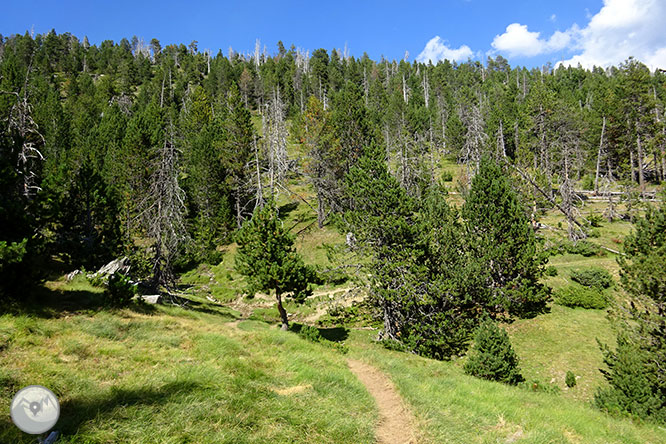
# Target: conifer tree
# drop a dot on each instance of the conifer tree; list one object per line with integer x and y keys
{"x": 268, "y": 260}
{"x": 637, "y": 374}
{"x": 492, "y": 356}
{"x": 323, "y": 149}
{"x": 500, "y": 235}
{"x": 238, "y": 151}
{"x": 425, "y": 283}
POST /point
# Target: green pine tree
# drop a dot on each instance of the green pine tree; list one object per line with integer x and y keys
{"x": 268, "y": 260}
{"x": 492, "y": 356}
{"x": 500, "y": 236}
{"x": 637, "y": 381}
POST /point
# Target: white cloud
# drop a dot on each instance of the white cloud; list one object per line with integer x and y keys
{"x": 623, "y": 28}
{"x": 553, "y": 18}
{"x": 518, "y": 41}
{"x": 436, "y": 49}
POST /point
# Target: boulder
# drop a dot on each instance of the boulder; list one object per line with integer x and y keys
{"x": 116, "y": 265}
{"x": 151, "y": 298}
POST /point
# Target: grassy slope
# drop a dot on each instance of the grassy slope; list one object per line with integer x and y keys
{"x": 199, "y": 375}
{"x": 455, "y": 408}
{"x": 179, "y": 375}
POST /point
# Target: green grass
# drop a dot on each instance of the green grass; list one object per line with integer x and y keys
{"x": 181, "y": 376}
{"x": 452, "y": 407}
{"x": 564, "y": 339}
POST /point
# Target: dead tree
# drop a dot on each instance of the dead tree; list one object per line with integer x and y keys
{"x": 21, "y": 123}
{"x": 501, "y": 148}
{"x": 162, "y": 212}
{"x": 599, "y": 155}
{"x": 566, "y": 146}
{"x": 475, "y": 137}
{"x": 275, "y": 141}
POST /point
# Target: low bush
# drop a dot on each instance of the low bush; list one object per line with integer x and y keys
{"x": 361, "y": 313}
{"x": 550, "y": 271}
{"x": 570, "y": 379}
{"x": 593, "y": 277}
{"x": 579, "y": 296}
{"x": 447, "y": 176}
{"x": 119, "y": 290}
{"x": 538, "y": 386}
{"x": 582, "y": 247}
{"x": 588, "y": 182}
{"x": 595, "y": 220}
{"x": 310, "y": 333}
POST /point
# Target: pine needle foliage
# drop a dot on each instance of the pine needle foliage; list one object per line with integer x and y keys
{"x": 636, "y": 371}
{"x": 492, "y": 356}
{"x": 500, "y": 235}
{"x": 267, "y": 258}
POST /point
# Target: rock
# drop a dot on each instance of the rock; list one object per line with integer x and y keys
{"x": 116, "y": 265}
{"x": 151, "y": 298}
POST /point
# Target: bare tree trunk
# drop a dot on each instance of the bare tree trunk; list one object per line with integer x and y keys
{"x": 275, "y": 136}
{"x": 601, "y": 144}
{"x": 404, "y": 90}
{"x": 238, "y": 209}
{"x": 631, "y": 161}
{"x": 282, "y": 311}
{"x": 163, "y": 213}
{"x": 426, "y": 89}
{"x": 641, "y": 175}
{"x": 663, "y": 162}
{"x": 544, "y": 194}
{"x": 431, "y": 150}
{"x": 500, "y": 140}
{"x": 20, "y": 120}
{"x": 260, "y": 190}
{"x": 661, "y": 169}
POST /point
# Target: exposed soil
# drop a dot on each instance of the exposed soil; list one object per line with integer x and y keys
{"x": 396, "y": 423}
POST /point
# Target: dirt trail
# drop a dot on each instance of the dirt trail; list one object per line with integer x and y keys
{"x": 396, "y": 424}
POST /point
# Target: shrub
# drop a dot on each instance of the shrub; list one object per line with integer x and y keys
{"x": 550, "y": 271}
{"x": 447, "y": 176}
{"x": 632, "y": 380}
{"x": 538, "y": 386}
{"x": 391, "y": 344}
{"x": 310, "y": 333}
{"x": 595, "y": 220}
{"x": 362, "y": 313}
{"x": 584, "y": 248}
{"x": 579, "y": 296}
{"x": 119, "y": 290}
{"x": 492, "y": 356}
{"x": 97, "y": 280}
{"x": 570, "y": 379}
{"x": 593, "y": 277}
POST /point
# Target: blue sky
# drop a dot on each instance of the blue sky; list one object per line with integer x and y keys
{"x": 528, "y": 33}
